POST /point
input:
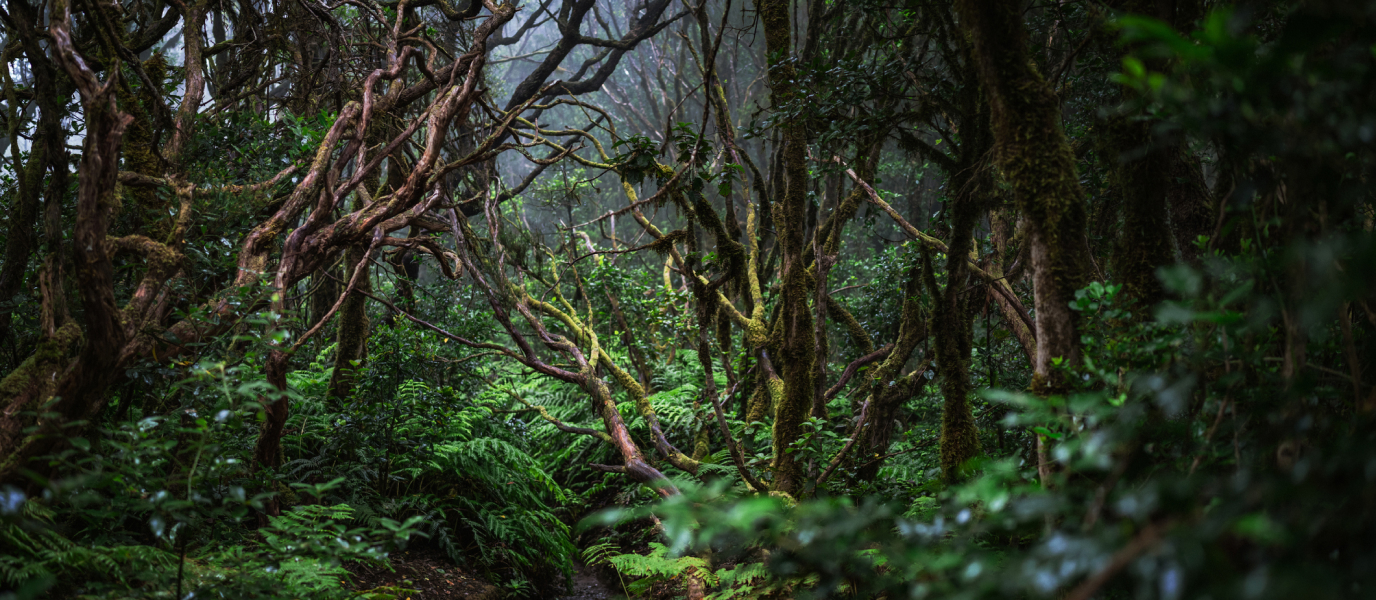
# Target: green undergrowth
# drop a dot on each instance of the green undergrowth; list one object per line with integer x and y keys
{"x": 152, "y": 505}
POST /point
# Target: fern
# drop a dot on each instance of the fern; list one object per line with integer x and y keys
{"x": 43, "y": 553}
{"x": 656, "y": 566}
{"x": 742, "y": 581}
{"x": 601, "y": 554}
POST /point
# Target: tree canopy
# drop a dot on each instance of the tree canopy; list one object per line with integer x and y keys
{"x": 756, "y": 299}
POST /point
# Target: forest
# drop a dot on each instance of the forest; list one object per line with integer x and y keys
{"x": 704, "y": 299}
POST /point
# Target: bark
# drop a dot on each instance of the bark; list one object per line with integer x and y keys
{"x": 193, "y": 18}
{"x": 504, "y": 298}
{"x": 80, "y": 392}
{"x": 48, "y": 154}
{"x": 1138, "y": 170}
{"x": 310, "y": 245}
{"x": 887, "y": 389}
{"x": 27, "y": 386}
{"x": 138, "y": 152}
{"x": 351, "y": 337}
{"x": 1012, "y": 309}
{"x": 951, "y": 331}
{"x": 1154, "y": 176}
{"x": 798, "y": 350}
{"x": 21, "y": 239}
{"x": 1037, "y": 162}
{"x": 825, "y": 252}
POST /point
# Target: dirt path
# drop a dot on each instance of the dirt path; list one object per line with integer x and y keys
{"x": 430, "y": 574}
{"x": 587, "y": 587}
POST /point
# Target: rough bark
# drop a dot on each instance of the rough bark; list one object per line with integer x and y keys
{"x": 1037, "y": 162}
{"x": 1139, "y": 169}
{"x": 80, "y": 392}
{"x": 798, "y": 349}
{"x": 48, "y": 155}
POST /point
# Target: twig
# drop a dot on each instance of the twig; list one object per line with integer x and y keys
{"x": 736, "y": 455}
{"x": 864, "y": 412}
{"x": 360, "y": 270}
{"x": 1144, "y": 540}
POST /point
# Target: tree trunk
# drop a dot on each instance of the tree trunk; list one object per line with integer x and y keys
{"x": 951, "y": 330}
{"x": 48, "y": 154}
{"x": 798, "y": 349}
{"x": 886, "y": 389}
{"x": 1154, "y": 177}
{"x": 80, "y": 391}
{"x": 1036, "y": 160}
{"x": 1139, "y": 170}
{"x": 351, "y": 347}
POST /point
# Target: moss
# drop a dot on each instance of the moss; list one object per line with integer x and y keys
{"x": 1138, "y": 173}
{"x": 1036, "y": 160}
{"x": 837, "y": 312}
{"x": 788, "y": 499}
{"x": 29, "y": 385}
{"x": 756, "y": 334}
{"x": 723, "y": 322}
{"x": 881, "y": 388}
{"x": 796, "y": 356}
{"x": 760, "y": 403}
{"x": 351, "y": 338}
{"x": 701, "y": 445}
{"x": 138, "y": 150}
{"x": 951, "y": 330}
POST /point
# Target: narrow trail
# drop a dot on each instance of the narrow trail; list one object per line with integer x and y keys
{"x": 586, "y": 586}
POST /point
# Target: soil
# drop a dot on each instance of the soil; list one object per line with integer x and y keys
{"x": 433, "y": 576}
{"x": 429, "y": 573}
{"x": 586, "y": 585}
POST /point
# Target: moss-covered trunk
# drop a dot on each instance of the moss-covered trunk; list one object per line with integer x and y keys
{"x": 887, "y": 388}
{"x": 1138, "y": 172}
{"x": 79, "y": 390}
{"x": 351, "y": 338}
{"x": 1036, "y": 160}
{"x": 797, "y": 350}
{"x": 951, "y": 330}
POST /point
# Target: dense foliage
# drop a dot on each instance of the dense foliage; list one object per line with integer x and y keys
{"x": 965, "y": 298}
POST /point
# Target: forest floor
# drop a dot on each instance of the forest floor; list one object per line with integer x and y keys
{"x": 586, "y": 585}
{"x": 433, "y": 576}
{"x": 430, "y": 573}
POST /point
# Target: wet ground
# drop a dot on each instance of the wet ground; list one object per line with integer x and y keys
{"x": 586, "y": 586}
{"x": 429, "y": 574}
